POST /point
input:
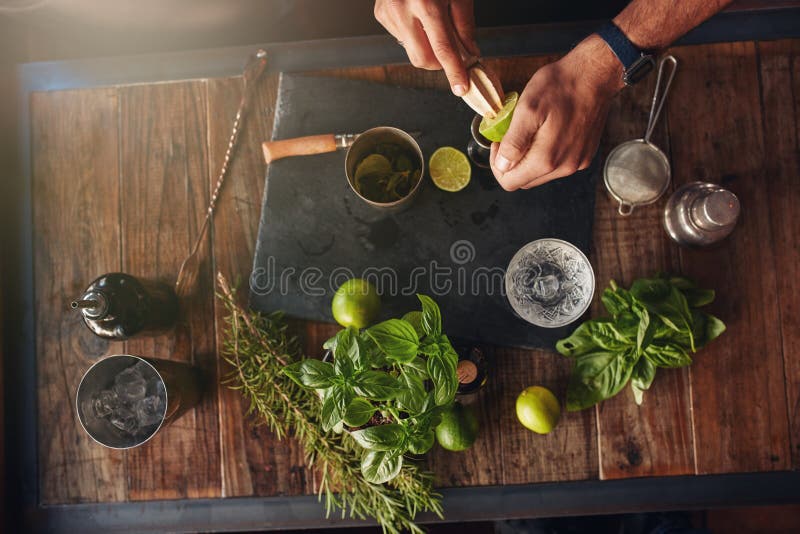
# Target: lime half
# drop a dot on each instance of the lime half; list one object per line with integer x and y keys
{"x": 450, "y": 169}
{"x": 494, "y": 128}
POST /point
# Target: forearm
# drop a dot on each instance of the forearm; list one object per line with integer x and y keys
{"x": 655, "y": 24}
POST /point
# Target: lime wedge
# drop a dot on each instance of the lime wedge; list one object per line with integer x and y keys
{"x": 373, "y": 164}
{"x": 494, "y": 128}
{"x": 450, "y": 169}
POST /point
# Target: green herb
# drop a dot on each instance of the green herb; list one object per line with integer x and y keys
{"x": 654, "y": 324}
{"x": 394, "y": 379}
{"x": 259, "y": 348}
{"x": 387, "y": 175}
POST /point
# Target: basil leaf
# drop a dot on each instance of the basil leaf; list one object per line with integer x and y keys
{"x": 579, "y": 342}
{"x": 336, "y": 400}
{"x": 396, "y": 338}
{"x": 381, "y": 437}
{"x": 414, "y": 318}
{"x": 376, "y": 385}
{"x": 420, "y": 443}
{"x": 358, "y": 412}
{"x": 644, "y": 372}
{"x": 448, "y": 351}
{"x": 430, "y": 347}
{"x": 330, "y": 344}
{"x": 378, "y": 467}
{"x": 666, "y": 301}
{"x": 417, "y": 367}
{"x": 445, "y": 382}
{"x": 310, "y": 373}
{"x": 593, "y": 335}
{"x": 431, "y": 316}
{"x": 695, "y": 297}
{"x": 644, "y": 330}
{"x": 343, "y": 366}
{"x": 347, "y": 347}
{"x": 616, "y": 300}
{"x": 667, "y": 355}
{"x": 705, "y": 327}
{"x": 597, "y": 376}
{"x": 411, "y": 396}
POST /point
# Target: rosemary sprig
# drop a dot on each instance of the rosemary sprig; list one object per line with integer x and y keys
{"x": 258, "y": 346}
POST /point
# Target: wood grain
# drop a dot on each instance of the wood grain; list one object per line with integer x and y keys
{"x": 165, "y": 191}
{"x": 76, "y": 238}
{"x": 254, "y": 462}
{"x": 632, "y": 438}
{"x": 570, "y": 451}
{"x": 737, "y": 382}
{"x": 780, "y": 98}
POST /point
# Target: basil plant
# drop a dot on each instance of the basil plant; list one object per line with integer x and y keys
{"x": 387, "y": 386}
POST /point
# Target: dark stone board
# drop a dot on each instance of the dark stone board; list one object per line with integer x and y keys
{"x": 315, "y": 233}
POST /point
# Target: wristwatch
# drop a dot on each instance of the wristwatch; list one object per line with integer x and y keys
{"x": 637, "y": 63}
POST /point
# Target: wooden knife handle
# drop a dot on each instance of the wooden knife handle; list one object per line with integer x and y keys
{"x": 299, "y": 146}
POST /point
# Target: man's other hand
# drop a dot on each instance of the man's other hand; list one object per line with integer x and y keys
{"x": 433, "y": 33}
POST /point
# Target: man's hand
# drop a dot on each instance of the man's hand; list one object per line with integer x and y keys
{"x": 433, "y": 33}
{"x": 559, "y": 118}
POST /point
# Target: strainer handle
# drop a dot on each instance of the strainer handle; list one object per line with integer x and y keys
{"x": 625, "y": 209}
{"x": 659, "y": 97}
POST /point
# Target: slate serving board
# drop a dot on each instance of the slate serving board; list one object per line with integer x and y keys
{"x": 315, "y": 233}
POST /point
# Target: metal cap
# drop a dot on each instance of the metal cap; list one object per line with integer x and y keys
{"x": 717, "y": 210}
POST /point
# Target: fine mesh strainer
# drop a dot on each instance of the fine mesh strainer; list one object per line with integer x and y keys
{"x": 637, "y": 172}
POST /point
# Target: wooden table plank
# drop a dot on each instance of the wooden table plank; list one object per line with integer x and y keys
{"x": 737, "y": 383}
{"x": 165, "y": 191}
{"x": 567, "y": 453}
{"x": 632, "y": 438}
{"x": 780, "y": 88}
{"x": 76, "y": 238}
{"x": 254, "y": 462}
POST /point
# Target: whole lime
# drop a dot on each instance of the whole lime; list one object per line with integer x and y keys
{"x": 538, "y": 409}
{"x": 356, "y": 303}
{"x": 458, "y": 429}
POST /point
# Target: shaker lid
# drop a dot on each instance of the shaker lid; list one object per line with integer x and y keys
{"x": 717, "y": 210}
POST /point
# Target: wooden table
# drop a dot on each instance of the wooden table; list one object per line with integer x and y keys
{"x": 121, "y": 176}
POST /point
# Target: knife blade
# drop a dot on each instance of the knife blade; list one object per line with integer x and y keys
{"x": 311, "y": 144}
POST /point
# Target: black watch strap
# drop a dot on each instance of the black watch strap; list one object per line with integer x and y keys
{"x": 637, "y": 63}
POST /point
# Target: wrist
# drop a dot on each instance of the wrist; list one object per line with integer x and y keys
{"x": 599, "y": 64}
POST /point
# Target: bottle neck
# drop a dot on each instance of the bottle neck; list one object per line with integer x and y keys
{"x": 93, "y": 304}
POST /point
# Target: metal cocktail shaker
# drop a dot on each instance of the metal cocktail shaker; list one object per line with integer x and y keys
{"x": 700, "y": 214}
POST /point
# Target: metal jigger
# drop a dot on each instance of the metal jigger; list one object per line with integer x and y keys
{"x": 478, "y": 147}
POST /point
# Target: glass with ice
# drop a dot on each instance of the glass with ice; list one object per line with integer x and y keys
{"x": 123, "y": 400}
{"x": 549, "y": 283}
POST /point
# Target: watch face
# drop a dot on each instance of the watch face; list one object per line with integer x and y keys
{"x": 640, "y": 68}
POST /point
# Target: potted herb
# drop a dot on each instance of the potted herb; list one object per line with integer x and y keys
{"x": 387, "y": 386}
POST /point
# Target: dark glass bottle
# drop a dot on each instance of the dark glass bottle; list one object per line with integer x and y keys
{"x": 472, "y": 369}
{"x": 118, "y": 306}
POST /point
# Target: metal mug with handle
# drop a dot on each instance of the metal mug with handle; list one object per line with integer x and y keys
{"x": 637, "y": 172}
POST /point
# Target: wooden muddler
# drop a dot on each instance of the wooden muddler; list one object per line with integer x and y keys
{"x": 299, "y": 146}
